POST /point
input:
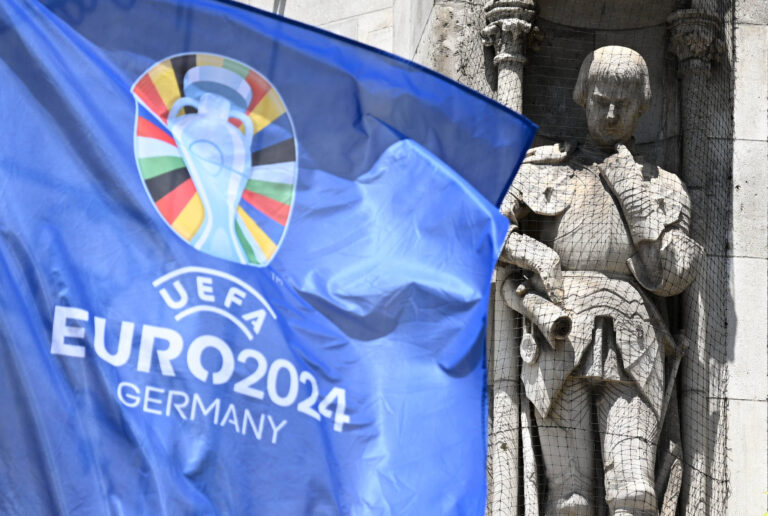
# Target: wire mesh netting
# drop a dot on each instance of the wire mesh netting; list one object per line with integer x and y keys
{"x": 607, "y": 330}
{"x": 607, "y": 339}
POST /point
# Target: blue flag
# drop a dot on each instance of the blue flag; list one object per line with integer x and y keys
{"x": 245, "y": 266}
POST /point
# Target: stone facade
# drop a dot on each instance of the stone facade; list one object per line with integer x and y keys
{"x": 747, "y": 261}
{"x": 707, "y": 125}
{"x": 368, "y": 21}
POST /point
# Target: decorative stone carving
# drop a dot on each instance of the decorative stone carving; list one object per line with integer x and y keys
{"x": 595, "y": 231}
{"x": 509, "y": 26}
{"x": 694, "y": 37}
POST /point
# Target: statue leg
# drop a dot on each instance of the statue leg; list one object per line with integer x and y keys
{"x": 565, "y": 436}
{"x": 627, "y": 436}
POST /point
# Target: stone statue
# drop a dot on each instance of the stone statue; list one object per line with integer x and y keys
{"x": 596, "y": 235}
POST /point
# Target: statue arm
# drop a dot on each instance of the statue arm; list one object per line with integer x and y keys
{"x": 666, "y": 266}
{"x": 659, "y": 222}
{"x": 528, "y": 253}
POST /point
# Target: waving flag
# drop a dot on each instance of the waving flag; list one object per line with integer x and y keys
{"x": 244, "y": 263}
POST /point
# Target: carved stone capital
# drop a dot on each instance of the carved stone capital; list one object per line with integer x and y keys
{"x": 509, "y": 24}
{"x": 695, "y": 38}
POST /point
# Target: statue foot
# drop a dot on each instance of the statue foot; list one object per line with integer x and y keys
{"x": 639, "y": 499}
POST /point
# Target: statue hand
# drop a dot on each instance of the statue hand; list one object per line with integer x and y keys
{"x": 621, "y": 168}
{"x": 639, "y": 199}
{"x": 549, "y": 279}
{"x": 535, "y": 256}
{"x": 536, "y": 285}
{"x": 553, "y": 284}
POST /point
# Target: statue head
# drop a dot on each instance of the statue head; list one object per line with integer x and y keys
{"x": 614, "y": 89}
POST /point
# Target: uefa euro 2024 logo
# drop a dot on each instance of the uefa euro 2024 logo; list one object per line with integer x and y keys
{"x": 216, "y": 150}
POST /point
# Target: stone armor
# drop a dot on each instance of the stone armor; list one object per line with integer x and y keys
{"x": 603, "y": 232}
{"x": 602, "y": 275}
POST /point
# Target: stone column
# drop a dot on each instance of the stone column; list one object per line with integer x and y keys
{"x": 509, "y": 24}
{"x": 694, "y": 38}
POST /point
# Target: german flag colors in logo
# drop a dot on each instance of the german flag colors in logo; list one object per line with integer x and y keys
{"x": 216, "y": 150}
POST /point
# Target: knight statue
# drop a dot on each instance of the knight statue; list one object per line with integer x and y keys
{"x": 598, "y": 236}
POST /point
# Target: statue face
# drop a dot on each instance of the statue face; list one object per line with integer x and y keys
{"x": 613, "y": 108}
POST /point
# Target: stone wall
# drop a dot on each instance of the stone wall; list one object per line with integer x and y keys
{"x": 748, "y": 266}
{"x": 367, "y": 21}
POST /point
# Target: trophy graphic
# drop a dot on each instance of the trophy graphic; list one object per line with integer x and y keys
{"x": 216, "y": 153}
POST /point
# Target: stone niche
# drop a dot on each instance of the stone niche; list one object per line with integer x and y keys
{"x": 526, "y": 54}
{"x": 686, "y": 131}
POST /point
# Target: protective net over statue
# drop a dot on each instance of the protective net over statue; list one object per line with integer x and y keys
{"x": 607, "y": 339}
